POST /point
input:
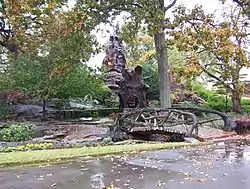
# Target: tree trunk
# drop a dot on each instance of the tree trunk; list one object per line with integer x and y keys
{"x": 162, "y": 60}
{"x": 12, "y": 48}
{"x": 236, "y": 100}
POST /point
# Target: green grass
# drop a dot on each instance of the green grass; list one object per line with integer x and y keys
{"x": 42, "y": 156}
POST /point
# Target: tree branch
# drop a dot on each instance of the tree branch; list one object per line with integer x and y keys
{"x": 217, "y": 78}
{"x": 170, "y": 5}
{"x": 136, "y": 5}
{"x": 245, "y": 5}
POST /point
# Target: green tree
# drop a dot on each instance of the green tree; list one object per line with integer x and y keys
{"x": 44, "y": 79}
{"x": 224, "y": 42}
{"x": 83, "y": 81}
{"x": 38, "y": 76}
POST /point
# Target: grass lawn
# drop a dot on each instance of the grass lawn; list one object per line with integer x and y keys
{"x": 42, "y": 156}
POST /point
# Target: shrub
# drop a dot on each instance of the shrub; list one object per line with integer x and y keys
{"x": 28, "y": 147}
{"x": 4, "y": 112}
{"x": 16, "y": 132}
{"x": 111, "y": 103}
{"x": 245, "y": 105}
{"x": 218, "y": 102}
{"x": 214, "y": 100}
{"x": 95, "y": 114}
{"x": 242, "y": 125}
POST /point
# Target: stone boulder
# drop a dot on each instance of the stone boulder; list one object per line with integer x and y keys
{"x": 28, "y": 110}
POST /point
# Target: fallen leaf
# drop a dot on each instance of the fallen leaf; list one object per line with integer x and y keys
{"x": 200, "y": 180}
{"x": 54, "y": 184}
{"x": 45, "y": 165}
{"x": 85, "y": 169}
{"x": 126, "y": 184}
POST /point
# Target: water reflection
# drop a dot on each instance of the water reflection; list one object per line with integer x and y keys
{"x": 96, "y": 179}
{"x": 236, "y": 153}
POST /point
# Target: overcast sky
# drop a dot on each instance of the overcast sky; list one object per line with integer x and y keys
{"x": 210, "y": 6}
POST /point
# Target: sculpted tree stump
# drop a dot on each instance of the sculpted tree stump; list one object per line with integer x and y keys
{"x": 127, "y": 84}
{"x": 132, "y": 90}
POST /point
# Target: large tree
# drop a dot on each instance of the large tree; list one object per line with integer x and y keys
{"x": 225, "y": 42}
{"x": 148, "y": 12}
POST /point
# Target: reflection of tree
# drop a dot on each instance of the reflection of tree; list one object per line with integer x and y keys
{"x": 97, "y": 176}
{"x": 239, "y": 155}
{"x": 234, "y": 155}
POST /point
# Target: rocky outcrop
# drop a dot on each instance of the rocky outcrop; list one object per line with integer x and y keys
{"x": 29, "y": 111}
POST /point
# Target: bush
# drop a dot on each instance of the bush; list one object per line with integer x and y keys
{"x": 218, "y": 102}
{"x": 28, "y": 147}
{"x": 16, "y": 132}
{"x": 150, "y": 75}
{"x": 245, "y": 105}
{"x": 4, "y": 112}
{"x": 214, "y": 100}
{"x": 95, "y": 114}
{"x": 111, "y": 103}
{"x": 242, "y": 125}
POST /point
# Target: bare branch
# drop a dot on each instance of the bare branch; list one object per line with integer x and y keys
{"x": 216, "y": 78}
{"x": 244, "y": 5}
{"x": 136, "y": 5}
{"x": 170, "y": 5}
